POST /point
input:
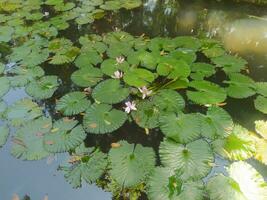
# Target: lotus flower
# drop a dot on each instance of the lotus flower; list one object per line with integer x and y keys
{"x": 117, "y": 75}
{"x": 145, "y": 92}
{"x": 129, "y": 106}
{"x": 120, "y": 60}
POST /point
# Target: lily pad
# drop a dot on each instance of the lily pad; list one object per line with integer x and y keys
{"x": 261, "y": 104}
{"x": 110, "y": 66}
{"x": 102, "y": 118}
{"x": 173, "y": 68}
{"x": 73, "y": 103}
{"x": 43, "y": 88}
{"x": 131, "y": 164}
{"x": 182, "y": 128}
{"x": 87, "y": 77}
{"x": 4, "y": 133}
{"x": 207, "y": 92}
{"x": 243, "y": 183}
{"x": 110, "y": 91}
{"x": 192, "y": 161}
{"x": 261, "y": 88}
{"x": 22, "y": 111}
{"x": 86, "y": 59}
{"x": 230, "y": 63}
{"x": 89, "y": 170}
{"x": 5, "y": 86}
{"x": 28, "y": 141}
{"x": 65, "y": 135}
{"x": 138, "y": 77}
{"x": 240, "y": 86}
{"x": 239, "y": 145}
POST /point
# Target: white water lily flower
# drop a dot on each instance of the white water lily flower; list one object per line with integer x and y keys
{"x": 129, "y": 106}
{"x": 117, "y": 75}
{"x": 145, "y": 92}
{"x": 46, "y": 14}
{"x": 120, "y": 59}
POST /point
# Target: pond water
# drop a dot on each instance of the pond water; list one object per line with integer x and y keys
{"x": 241, "y": 27}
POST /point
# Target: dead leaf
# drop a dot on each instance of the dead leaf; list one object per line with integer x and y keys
{"x": 93, "y": 125}
{"x": 115, "y": 145}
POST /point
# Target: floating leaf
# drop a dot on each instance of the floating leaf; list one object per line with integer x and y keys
{"x": 173, "y": 68}
{"x": 201, "y": 70}
{"x": 230, "y": 63}
{"x": 239, "y": 145}
{"x": 22, "y": 75}
{"x": 187, "y": 55}
{"x": 147, "y": 114}
{"x": 43, "y": 88}
{"x": 102, "y": 118}
{"x": 182, "y": 128}
{"x": 110, "y": 91}
{"x": 169, "y": 100}
{"x": 89, "y": 170}
{"x": 87, "y": 77}
{"x": 240, "y": 86}
{"x": 162, "y": 185}
{"x": 4, "y": 133}
{"x": 207, "y": 93}
{"x": 261, "y": 128}
{"x": 88, "y": 58}
{"x": 65, "y": 135}
{"x": 28, "y": 141}
{"x": 6, "y": 33}
{"x": 3, "y": 108}
{"x": 261, "y": 151}
{"x": 73, "y": 103}
{"x": 217, "y": 123}
{"x": 22, "y": 111}
{"x": 131, "y": 164}
{"x": 261, "y": 104}
{"x": 139, "y": 77}
{"x": 5, "y": 86}
{"x": 261, "y": 88}
{"x": 243, "y": 183}
{"x": 110, "y": 66}
{"x": 187, "y": 42}
{"x": 192, "y": 161}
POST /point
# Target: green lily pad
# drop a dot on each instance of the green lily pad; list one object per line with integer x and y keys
{"x": 5, "y": 86}
{"x": 110, "y": 66}
{"x": 102, "y": 118}
{"x": 6, "y": 33}
{"x": 4, "y": 133}
{"x": 173, "y": 68}
{"x": 147, "y": 114}
{"x": 28, "y": 141}
{"x": 87, "y": 77}
{"x": 192, "y": 161}
{"x": 182, "y": 128}
{"x": 261, "y": 104}
{"x": 261, "y": 88}
{"x": 65, "y": 136}
{"x": 217, "y": 123}
{"x": 22, "y": 111}
{"x": 89, "y": 170}
{"x": 88, "y": 58}
{"x": 131, "y": 164}
{"x": 202, "y": 70}
{"x": 43, "y": 88}
{"x": 243, "y": 183}
{"x": 169, "y": 100}
{"x": 187, "y": 55}
{"x": 240, "y": 86}
{"x": 110, "y": 91}
{"x": 138, "y": 77}
{"x": 230, "y": 63}
{"x": 239, "y": 145}
{"x": 163, "y": 185}
{"x": 73, "y": 103}
{"x": 207, "y": 92}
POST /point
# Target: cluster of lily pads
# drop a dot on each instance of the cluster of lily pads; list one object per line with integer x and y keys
{"x": 177, "y": 86}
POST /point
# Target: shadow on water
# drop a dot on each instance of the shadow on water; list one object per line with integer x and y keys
{"x": 223, "y": 20}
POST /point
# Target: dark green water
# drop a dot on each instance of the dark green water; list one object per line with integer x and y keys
{"x": 222, "y": 20}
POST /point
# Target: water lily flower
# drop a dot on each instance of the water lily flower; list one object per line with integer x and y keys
{"x": 46, "y": 14}
{"x": 129, "y": 106}
{"x": 120, "y": 59}
{"x": 145, "y": 92}
{"x": 117, "y": 75}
